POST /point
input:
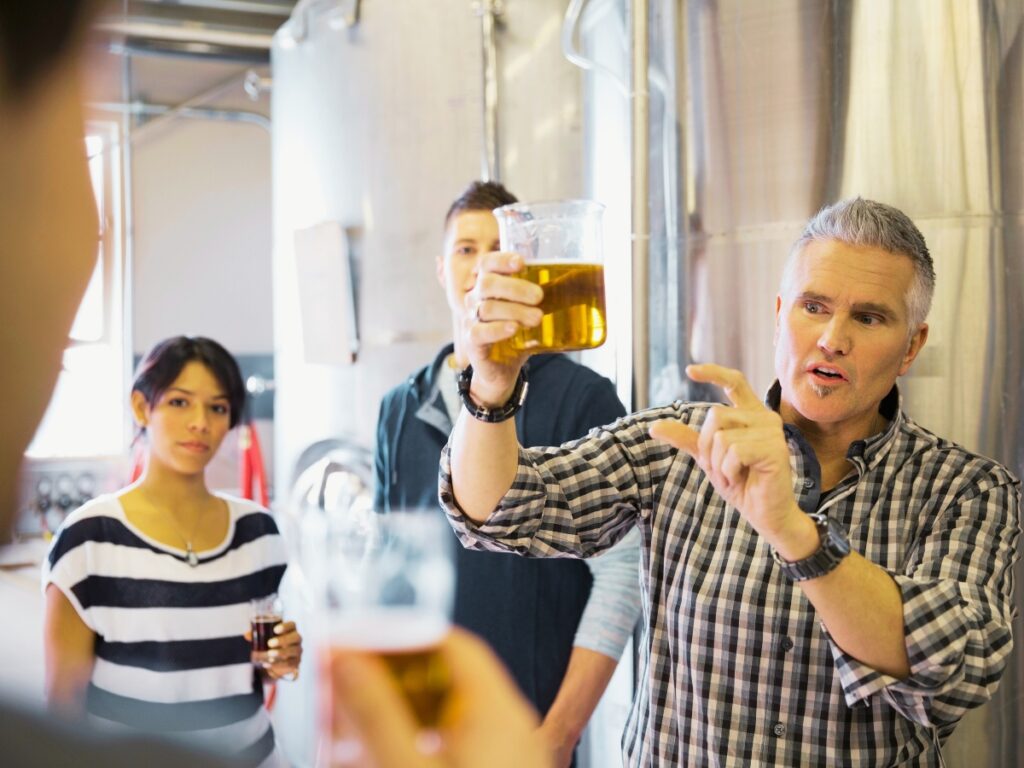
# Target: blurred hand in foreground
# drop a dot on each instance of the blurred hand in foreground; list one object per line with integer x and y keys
{"x": 485, "y": 720}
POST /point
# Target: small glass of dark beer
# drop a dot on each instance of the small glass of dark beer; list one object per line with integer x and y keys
{"x": 390, "y": 582}
{"x": 265, "y": 613}
{"x": 561, "y": 244}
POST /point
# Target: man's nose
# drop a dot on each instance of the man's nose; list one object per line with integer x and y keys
{"x": 835, "y": 337}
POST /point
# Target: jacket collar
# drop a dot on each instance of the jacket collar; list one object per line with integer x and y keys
{"x": 426, "y": 388}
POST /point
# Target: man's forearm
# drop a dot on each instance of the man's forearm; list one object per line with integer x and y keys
{"x": 585, "y": 680}
{"x": 862, "y": 608}
{"x": 484, "y": 460}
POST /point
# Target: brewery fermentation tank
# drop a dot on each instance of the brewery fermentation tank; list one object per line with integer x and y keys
{"x": 378, "y": 125}
{"x": 786, "y": 106}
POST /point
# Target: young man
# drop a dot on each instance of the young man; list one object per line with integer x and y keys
{"x": 559, "y": 636}
{"x": 828, "y": 583}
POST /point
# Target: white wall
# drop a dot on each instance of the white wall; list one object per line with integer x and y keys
{"x": 201, "y": 259}
{"x": 202, "y": 235}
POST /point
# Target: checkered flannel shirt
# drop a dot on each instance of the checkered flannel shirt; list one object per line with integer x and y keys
{"x": 736, "y": 668}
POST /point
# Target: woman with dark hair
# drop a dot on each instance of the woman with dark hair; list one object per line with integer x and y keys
{"x": 148, "y": 590}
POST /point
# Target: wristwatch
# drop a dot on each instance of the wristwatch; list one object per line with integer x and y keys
{"x": 492, "y": 415}
{"x": 834, "y": 547}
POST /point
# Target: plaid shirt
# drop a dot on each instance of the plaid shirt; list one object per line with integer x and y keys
{"x": 737, "y": 670}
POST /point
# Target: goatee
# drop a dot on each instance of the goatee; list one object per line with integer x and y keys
{"x": 822, "y": 390}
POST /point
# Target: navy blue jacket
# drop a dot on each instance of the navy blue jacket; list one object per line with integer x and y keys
{"x": 526, "y": 609}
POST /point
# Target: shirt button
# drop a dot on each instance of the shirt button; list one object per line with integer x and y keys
{"x": 786, "y": 644}
{"x": 808, "y": 483}
{"x": 779, "y": 729}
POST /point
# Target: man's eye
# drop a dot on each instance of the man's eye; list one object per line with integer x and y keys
{"x": 812, "y": 306}
{"x": 869, "y": 320}
{"x": 177, "y": 402}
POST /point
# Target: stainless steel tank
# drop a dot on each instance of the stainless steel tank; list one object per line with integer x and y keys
{"x": 788, "y": 105}
{"x": 376, "y": 127}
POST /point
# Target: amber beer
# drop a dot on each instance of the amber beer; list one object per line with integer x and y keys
{"x": 422, "y": 675}
{"x": 407, "y": 641}
{"x": 573, "y": 306}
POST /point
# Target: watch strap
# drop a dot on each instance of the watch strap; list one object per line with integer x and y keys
{"x": 834, "y": 547}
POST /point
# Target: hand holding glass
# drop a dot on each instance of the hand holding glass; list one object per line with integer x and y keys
{"x": 389, "y": 591}
{"x": 560, "y": 243}
{"x": 265, "y": 613}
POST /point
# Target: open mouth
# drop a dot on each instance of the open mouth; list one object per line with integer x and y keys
{"x": 827, "y": 374}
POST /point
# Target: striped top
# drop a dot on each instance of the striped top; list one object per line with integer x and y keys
{"x": 737, "y": 669}
{"x": 171, "y": 657}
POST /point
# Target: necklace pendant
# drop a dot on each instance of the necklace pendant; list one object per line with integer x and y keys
{"x": 193, "y": 558}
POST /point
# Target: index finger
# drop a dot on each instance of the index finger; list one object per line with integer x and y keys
{"x": 733, "y": 382}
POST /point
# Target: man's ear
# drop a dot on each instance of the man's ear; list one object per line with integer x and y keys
{"x": 439, "y": 270}
{"x": 917, "y": 342}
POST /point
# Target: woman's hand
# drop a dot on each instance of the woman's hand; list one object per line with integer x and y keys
{"x": 284, "y": 650}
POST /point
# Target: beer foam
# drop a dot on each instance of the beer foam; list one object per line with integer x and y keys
{"x": 390, "y": 629}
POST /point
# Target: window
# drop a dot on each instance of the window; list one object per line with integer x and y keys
{"x": 87, "y": 415}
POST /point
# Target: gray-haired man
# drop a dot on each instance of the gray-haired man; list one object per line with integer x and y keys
{"x": 827, "y": 582}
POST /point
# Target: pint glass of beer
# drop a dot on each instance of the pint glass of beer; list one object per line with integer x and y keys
{"x": 560, "y": 242}
{"x": 390, "y": 582}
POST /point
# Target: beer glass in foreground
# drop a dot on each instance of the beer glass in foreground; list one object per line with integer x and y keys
{"x": 560, "y": 242}
{"x": 389, "y": 590}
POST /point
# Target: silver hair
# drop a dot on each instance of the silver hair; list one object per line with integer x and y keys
{"x": 859, "y": 222}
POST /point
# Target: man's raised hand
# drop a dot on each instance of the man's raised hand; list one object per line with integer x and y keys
{"x": 742, "y": 449}
{"x": 498, "y": 305}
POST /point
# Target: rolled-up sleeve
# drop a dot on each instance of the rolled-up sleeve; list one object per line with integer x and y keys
{"x": 575, "y": 500}
{"x": 957, "y": 611}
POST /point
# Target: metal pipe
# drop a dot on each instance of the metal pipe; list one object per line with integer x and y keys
{"x": 163, "y": 111}
{"x": 488, "y": 11}
{"x": 255, "y": 84}
{"x": 573, "y": 56}
{"x": 234, "y": 6}
{"x": 200, "y": 98}
{"x": 640, "y": 119}
{"x": 185, "y": 33}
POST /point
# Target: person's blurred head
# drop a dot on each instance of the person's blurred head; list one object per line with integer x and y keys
{"x": 48, "y": 222}
{"x": 34, "y": 37}
{"x": 187, "y": 394}
{"x": 470, "y": 231}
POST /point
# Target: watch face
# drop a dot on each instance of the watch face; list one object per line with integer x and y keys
{"x": 834, "y": 547}
{"x": 834, "y": 538}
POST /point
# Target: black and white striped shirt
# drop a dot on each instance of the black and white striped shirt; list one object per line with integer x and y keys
{"x": 170, "y": 654}
{"x": 737, "y": 670}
